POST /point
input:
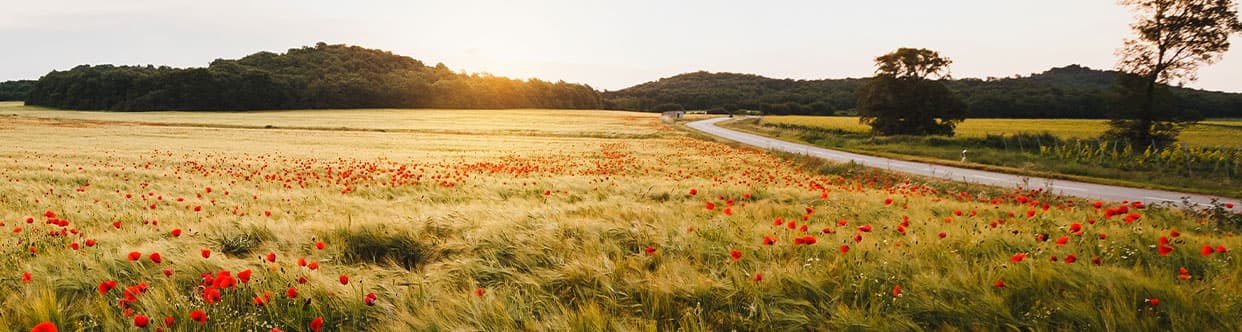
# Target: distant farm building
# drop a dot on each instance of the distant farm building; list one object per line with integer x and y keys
{"x": 672, "y": 115}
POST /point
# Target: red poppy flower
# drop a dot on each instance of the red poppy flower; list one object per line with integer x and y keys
{"x": 1071, "y": 259}
{"x": 344, "y": 279}
{"x": 999, "y": 283}
{"x": 1221, "y": 249}
{"x": 1075, "y": 228}
{"x": 728, "y": 211}
{"x": 1018, "y": 257}
{"x": 370, "y": 299}
{"x": 768, "y": 240}
{"x": 206, "y": 253}
{"x": 845, "y": 248}
{"x": 168, "y": 272}
{"x": 1165, "y": 250}
{"x": 1154, "y": 302}
{"x": 479, "y": 292}
{"x": 90, "y": 243}
{"x": 302, "y": 261}
{"x": 26, "y": 277}
{"x": 198, "y": 316}
{"x": 316, "y": 324}
{"x": 1103, "y": 236}
{"x": 1207, "y": 250}
{"x": 44, "y": 326}
{"x": 942, "y": 235}
{"x": 320, "y": 245}
{"x": 857, "y": 238}
{"x": 271, "y": 257}
{"x": 864, "y": 228}
{"x": 758, "y": 277}
{"x": 694, "y": 191}
{"x": 244, "y": 276}
{"x": 888, "y": 201}
{"x": 134, "y": 256}
{"x": 168, "y": 321}
{"x": 897, "y": 291}
{"x": 176, "y": 232}
{"x": 650, "y": 250}
{"x": 736, "y": 255}
{"x": 711, "y": 206}
{"x": 292, "y": 293}
{"x": 313, "y": 265}
{"x": 141, "y": 321}
{"x": 1062, "y": 241}
{"x": 155, "y": 258}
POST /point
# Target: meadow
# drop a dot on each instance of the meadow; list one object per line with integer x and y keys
{"x": 1207, "y": 159}
{"x": 1212, "y": 132}
{"x": 390, "y": 220}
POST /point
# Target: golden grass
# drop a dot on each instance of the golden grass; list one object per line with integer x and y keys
{"x": 1206, "y": 133}
{"x": 548, "y": 215}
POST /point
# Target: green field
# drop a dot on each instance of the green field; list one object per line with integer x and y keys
{"x": 1216, "y": 132}
{"x": 431, "y": 220}
{"x": 1209, "y": 162}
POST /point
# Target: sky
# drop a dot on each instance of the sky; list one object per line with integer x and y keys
{"x": 607, "y": 44}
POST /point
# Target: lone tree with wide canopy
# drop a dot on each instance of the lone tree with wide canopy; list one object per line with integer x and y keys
{"x": 906, "y": 97}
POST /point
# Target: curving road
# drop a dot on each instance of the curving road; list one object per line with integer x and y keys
{"x": 1064, "y": 187}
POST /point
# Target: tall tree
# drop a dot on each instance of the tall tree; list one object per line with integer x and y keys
{"x": 1173, "y": 39}
{"x": 907, "y": 97}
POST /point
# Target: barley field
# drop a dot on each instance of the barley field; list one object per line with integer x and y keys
{"x": 392, "y": 220}
{"x": 1214, "y": 132}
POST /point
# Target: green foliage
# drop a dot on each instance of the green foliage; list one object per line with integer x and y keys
{"x": 15, "y": 90}
{"x": 667, "y": 107}
{"x": 1174, "y": 38}
{"x": 902, "y": 100}
{"x": 323, "y": 76}
{"x": 903, "y": 106}
{"x": 1071, "y": 92}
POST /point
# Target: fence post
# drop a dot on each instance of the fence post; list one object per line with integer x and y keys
{"x": 1186, "y": 156}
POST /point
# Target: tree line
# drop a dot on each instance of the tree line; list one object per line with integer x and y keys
{"x": 1074, "y": 92}
{"x": 322, "y": 76}
{"x": 15, "y": 90}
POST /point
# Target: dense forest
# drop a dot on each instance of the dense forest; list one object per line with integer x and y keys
{"x": 323, "y": 76}
{"x": 15, "y": 90}
{"x": 1067, "y": 92}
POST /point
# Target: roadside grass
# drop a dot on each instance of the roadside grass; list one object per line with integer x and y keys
{"x": 1020, "y": 153}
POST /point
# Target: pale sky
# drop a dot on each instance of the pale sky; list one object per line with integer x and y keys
{"x": 607, "y": 44}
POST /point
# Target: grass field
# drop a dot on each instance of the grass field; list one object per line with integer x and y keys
{"x": 553, "y": 220}
{"x": 1211, "y": 163}
{"x": 1217, "y": 132}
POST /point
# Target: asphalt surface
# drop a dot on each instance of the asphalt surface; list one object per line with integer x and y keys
{"x": 1064, "y": 187}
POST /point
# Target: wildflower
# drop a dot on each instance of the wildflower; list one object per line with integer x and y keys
{"x": 736, "y": 255}
{"x": 141, "y": 321}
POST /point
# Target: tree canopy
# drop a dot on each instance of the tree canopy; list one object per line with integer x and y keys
{"x": 1173, "y": 38}
{"x": 902, "y": 99}
{"x": 323, "y": 76}
{"x": 1065, "y": 92}
{"x": 15, "y": 90}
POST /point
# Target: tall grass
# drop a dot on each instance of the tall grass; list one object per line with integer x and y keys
{"x": 513, "y": 232}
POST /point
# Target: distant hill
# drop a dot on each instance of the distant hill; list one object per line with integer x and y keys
{"x": 323, "y": 76}
{"x": 15, "y": 90}
{"x": 1066, "y": 92}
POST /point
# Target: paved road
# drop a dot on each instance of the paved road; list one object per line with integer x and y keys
{"x": 1065, "y": 187}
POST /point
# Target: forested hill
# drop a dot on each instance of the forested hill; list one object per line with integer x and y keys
{"x": 323, "y": 76}
{"x": 15, "y": 90}
{"x": 1067, "y": 92}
